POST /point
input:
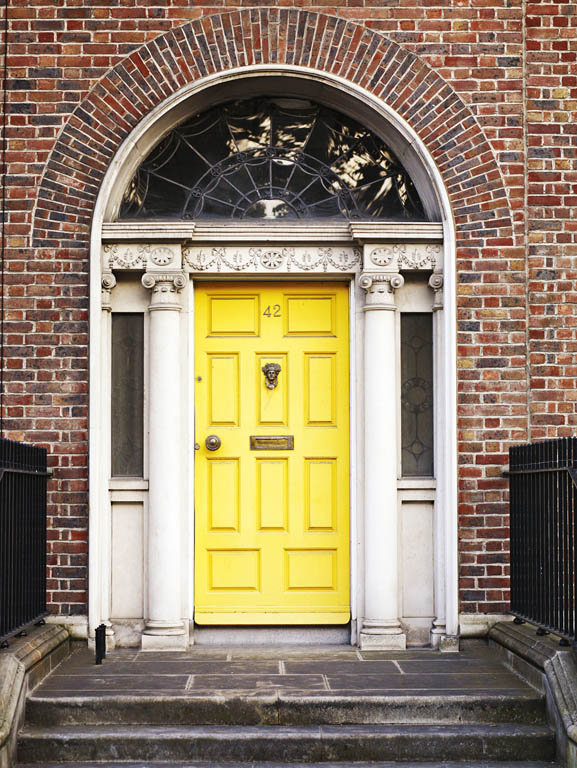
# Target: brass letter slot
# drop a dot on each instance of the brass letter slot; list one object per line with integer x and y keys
{"x": 272, "y": 443}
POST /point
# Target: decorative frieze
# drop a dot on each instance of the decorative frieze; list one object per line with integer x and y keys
{"x": 405, "y": 256}
{"x": 392, "y": 257}
{"x": 139, "y": 256}
{"x": 272, "y": 259}
{"x": 121, "y": 256}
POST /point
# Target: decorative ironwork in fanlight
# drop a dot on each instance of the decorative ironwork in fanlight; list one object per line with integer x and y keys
{"x": 271, "y": 158}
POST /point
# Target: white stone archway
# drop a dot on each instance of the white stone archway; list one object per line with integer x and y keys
{"x": 381, "y": 624}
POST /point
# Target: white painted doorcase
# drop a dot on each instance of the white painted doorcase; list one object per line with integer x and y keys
{"x": 396, "y": 578}
{"x": 403, "y": 541}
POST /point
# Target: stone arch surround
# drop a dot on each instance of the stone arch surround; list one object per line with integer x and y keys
{"x": 216, "y": 43}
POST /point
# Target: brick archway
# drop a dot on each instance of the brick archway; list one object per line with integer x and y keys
{"x": 220, "y": 42}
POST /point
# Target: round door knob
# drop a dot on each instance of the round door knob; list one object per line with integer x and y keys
{"x": 212, "y": 442}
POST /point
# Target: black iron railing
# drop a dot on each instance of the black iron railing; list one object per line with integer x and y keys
{"x": 543, "y": 512}
{"x": 23, "y": 479}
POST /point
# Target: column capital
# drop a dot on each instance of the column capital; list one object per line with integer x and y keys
{"x": 108, "y": 282}
{"x": 380, "y": 289}
{"x": 165, "y": 287}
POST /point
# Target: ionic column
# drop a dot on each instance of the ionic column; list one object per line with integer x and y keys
{"x": 164, "y": 627}
{"x": 381, "y": 626}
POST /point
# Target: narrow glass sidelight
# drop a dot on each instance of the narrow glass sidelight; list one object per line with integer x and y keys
{"x": 417, "y": 394}
{"x": 127, "y": 394}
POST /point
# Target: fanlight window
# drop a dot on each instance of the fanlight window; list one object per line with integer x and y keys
{"x": 271, "y": 158}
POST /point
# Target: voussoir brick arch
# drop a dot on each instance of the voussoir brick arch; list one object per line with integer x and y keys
{"x": 222, "y": 41}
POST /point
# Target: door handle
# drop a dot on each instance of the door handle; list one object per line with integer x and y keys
{"x": 212, "y": 443}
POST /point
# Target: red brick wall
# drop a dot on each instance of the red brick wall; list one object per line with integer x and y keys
{"x": 82, "y": 75}
{"x": 552, "y": 215}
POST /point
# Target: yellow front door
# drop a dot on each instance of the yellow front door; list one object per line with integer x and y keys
{"x": 272, "y": 500}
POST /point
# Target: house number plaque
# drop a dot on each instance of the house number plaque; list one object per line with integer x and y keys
{"x": 272, "y": 443}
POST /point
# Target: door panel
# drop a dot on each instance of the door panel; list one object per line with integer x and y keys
{"x": 272, "y": 513}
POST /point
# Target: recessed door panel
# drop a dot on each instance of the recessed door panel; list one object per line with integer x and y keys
{"x": 272, "y": 496}
{"x": 234, "y": 570}
{"x": 223, "y": 389}
{"x": 320, "y": 389}
{"x": 311, "y": 569}
{"x": 272, "y": 402}
{"x": 320, "y": 494}
{"x": 223, "y": 494}
{"x": 233, "y": 316}
{"x": 310, "y": 315}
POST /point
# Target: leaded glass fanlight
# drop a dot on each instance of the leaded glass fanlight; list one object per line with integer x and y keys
{"x": 271, "y": 158}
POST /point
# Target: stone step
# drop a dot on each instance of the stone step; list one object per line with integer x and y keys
{"x": 527, "y": 708}
{"x": 396, "y": 764}
{"x": 340, "y": 744}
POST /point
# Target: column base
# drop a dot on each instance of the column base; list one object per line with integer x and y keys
{"x": 164, "y": 636}
{"x": 382, "y": 636}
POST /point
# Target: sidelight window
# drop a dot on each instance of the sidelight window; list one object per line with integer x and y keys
{"x": 417, "y": 394}
{"x": 127, "y": 394}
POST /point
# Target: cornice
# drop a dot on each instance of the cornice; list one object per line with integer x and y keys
{"x": 215, "y": 233}
{"x": 367, "y": 232}
{"x": 147, "y": 232}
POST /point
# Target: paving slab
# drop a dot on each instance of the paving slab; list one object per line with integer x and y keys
{"x": 98, "y": 682}
{"x": 171, "y": 667}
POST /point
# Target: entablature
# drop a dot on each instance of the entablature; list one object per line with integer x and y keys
{"x": 348, "y": 248}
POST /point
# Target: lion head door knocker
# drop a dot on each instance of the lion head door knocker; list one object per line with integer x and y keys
{"x": 271, "y": 372}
